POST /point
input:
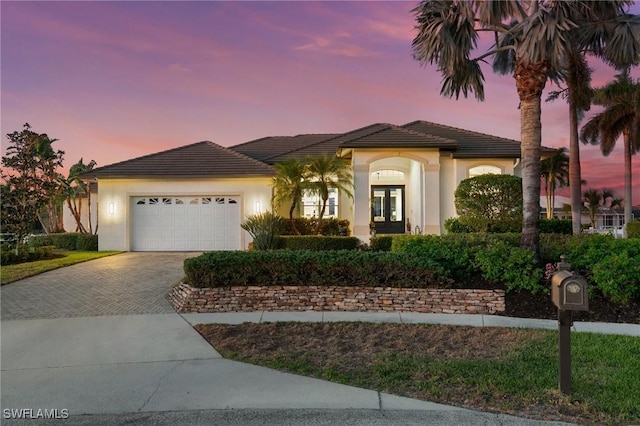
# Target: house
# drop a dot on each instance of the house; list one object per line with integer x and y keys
{"x": 195, "y": 197}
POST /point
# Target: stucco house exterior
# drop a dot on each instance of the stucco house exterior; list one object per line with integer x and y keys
{"x": 195, "y": 197}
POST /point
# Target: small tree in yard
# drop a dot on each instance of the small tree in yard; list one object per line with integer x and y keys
{"x": 328, "y": 172}
{"x": 490, "y": 202}
{"x": 74, "y": 189}
{"x": 289, "y": 184}
{"x": 30, "y": 180}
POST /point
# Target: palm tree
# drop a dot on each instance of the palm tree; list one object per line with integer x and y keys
{"x": 594, "y": 199}
{"x": 326, "y": 172}
{"x": 555, "y": 172}
{"x": 289, "y": 184}
{"x": 74, "y": 187}
{"x": 621, "y": 117}
{"x": 533, "y": 47}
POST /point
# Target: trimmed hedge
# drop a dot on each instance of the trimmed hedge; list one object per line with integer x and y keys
{"x": 556, "y": 226}
{"x": 303, "y": 267}
{"x": 381, "y": 243}
{"x": 633, "y": 229}
{"x": 39, "y": 240}
{"x": 317, "y": 242}
{"x": 9, "y": 256}
{"x": 308, "y": 226}
{"x": 87, "y": 242}
{"x": 66, "y": 240}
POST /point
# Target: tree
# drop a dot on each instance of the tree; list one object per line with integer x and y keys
{"x": 595, "y": 199}
{"x": 490, "y": 202}
{"x": 289, "y": 183}
{"x": 326, "y": 172}
{"x": 621, "y": 117}
{"x": 555, "y": 172}
{"x": 533, "y": 47}
{"x": 30, "y": 179}
{"x": 74, "y": 189}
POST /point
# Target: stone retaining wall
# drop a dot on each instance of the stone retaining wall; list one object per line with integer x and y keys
{"x": 187, "y": 299}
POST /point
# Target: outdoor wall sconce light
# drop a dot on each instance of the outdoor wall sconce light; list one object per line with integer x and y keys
{"x": 112, "y": 209}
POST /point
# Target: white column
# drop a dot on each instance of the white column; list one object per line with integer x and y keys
{"x": 431, "y": 197}
{"x": 361, "y": 203}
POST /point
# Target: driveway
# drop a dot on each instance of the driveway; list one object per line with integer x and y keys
{"x": 124, "y": 284}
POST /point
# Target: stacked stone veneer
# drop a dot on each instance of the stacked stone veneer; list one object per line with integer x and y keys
{"x": 185, "y": 298}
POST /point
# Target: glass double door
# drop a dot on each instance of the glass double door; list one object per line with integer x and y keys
{"x": 387, "y": 209}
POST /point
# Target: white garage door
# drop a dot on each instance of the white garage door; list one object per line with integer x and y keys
{"x": 171, "y": 223}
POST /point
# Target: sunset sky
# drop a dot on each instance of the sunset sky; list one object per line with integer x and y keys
{"x": 117, "y": 80}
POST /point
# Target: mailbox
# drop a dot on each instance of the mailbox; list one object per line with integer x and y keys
{"x": 569, "y": 292}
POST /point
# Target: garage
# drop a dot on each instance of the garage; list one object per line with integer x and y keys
{"x": 185, "y": 223}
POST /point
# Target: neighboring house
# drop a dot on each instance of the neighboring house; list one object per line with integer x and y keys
{"x": 195, "y": 197}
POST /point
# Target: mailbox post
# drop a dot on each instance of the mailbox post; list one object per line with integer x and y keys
{"x": 569, "y": 293}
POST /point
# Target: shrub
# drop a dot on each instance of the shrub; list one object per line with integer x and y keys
{"x": 65, "y": 241}
{"x": 552, "y": 246}
{"x": 25, "y": 254}
{"x": 308, "y": 226}
{"x": 617, "y": 273}
{"x": 381, "y": 243}
{"x": 317, "y": 242}
{"x": 39, "y": 240}
{"x": 303, "y": 267}
{"x": 454, "y": 226}
{"x": 514, "y": 267}
{"x": 633, "y": 229}
{"x": 87, "y": 242}
{"x": 265, "y": 228}
{"x": 556, "y": 226}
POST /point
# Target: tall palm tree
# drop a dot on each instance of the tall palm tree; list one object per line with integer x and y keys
{"x": 594, "y": 199}
{"x": 74, "y": 187}
{"x": 289, "y": 184}
{"x": 533, "y": 47}
{"x": 621, "y": 117}
{"x": 326, "y": 172}
{"x": 555, "y": 172}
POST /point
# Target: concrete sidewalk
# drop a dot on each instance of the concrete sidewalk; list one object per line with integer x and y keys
{"x": 156, "y": 369}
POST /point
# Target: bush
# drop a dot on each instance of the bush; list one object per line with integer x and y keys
{"x": 317, "y": 242}
{"x": 454, "y": 226}
{"x": 307, "y": 226}
{"x": 514, "y": 267}
{"x": 39, "y": 240}
{"x": 87, "y": 242}
{"x": 556, "y": 226}
{"x": 633, "y": 229}
{"x": 25, "y": 254}
{"x": 381, "y": 243}
{"x": 303, "y": 267}
{"x": 617, "y": 273}
{"x": 264, "y": 228}
{"x": 552, "y": 246}
{"x": 65, "y": 241}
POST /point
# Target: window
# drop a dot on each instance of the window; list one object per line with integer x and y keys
{"x": 608, "y": 221}
{"x": 312, "y": 204}
{"x": 484, "y": 169}
{"x": 386, "y": 174}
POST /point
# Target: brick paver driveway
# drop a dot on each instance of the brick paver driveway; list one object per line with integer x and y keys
{"x": 124, "y": 284}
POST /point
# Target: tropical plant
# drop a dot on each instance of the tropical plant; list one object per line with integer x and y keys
{"x": 327, "y": 172}
{"x": 621, "y": 117}
{"x": 74, "y": 189}
{"x": 264, "y": 228}
{"x": 595, "y": 199}
{"x": 289, "y": 183}
{"x": 555, "y": 173}
{"x": 533, "y": 40}
{"x": 29, "y": 179}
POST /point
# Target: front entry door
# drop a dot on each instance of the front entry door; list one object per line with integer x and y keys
{"x": 387, "y": 209}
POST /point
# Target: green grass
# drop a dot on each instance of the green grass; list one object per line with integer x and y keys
{"x": 11, "y": 273}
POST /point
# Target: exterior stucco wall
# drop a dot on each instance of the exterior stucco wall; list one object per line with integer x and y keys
{"x": 69, "y": 221}
{"x": 115, "y": 227}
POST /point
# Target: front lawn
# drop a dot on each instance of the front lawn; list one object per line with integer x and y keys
{"x": 11, "y": 273}
{"x": 491, "y": 369}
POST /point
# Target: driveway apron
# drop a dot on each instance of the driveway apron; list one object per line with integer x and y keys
{"x": 123, "y": 284}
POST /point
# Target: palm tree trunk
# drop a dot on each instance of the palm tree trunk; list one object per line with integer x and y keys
{"x": 628, "y": 204}
{"x": 293, "y": 223}
{"x": 550, "y": 202}
{"x": 575, "y": 175}
{"x": 530, "y": 81}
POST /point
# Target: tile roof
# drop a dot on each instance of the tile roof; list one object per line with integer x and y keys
{"x": 264, "y": 149}
{"x": 470, "y": 144}
{"x": 389, "y": 135}
{"x": 201, "y": 159}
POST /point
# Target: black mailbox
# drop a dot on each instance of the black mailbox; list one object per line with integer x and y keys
{"x": 569, "y": 292}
